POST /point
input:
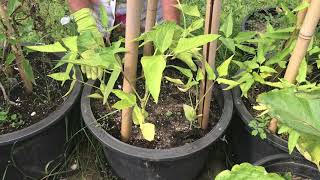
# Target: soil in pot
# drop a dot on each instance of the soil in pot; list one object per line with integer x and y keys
{"x": 172, "y": 128}
{"x": 31, "y": 108}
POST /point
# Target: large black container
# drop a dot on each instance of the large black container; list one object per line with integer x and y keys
{"x": 248, "y": 148}
{"x": 282, "y": 163}
{"x": 135, "y": 163}
{"x": 271, "y": 11}
{"x": 25, "y": 154}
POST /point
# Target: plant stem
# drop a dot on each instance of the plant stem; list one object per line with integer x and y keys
{"x": 6, "y": 96}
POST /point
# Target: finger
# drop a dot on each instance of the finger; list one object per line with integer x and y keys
{"x": 88, "y": 70}
{"x": 94, "y": 71}
{"x": 100, "y": 73}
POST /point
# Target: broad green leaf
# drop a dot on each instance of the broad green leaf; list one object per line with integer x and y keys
{"x": 302, "y": 75}
{"x": 122, "y": 104}
{"x": 111, "y": 82}
{"x": 95, "y": 96}
{"x": 28, "y": 70}
{"x": 281, "y": 55}
{"x": 69, "y": 42}
{"x": 244, "y": 36}
{"x": 293, "y": 140}
{"x": 210, "y": 73}
{"x": 195, "y": 25}
{"x": 200, "y": 75}
{"x": 229, "y": 43}
{"x": 189, "y": 85}
{"x": 227, "y": 27}
{"x": 289, "y": 14}
{"x": 245, "y": 87}
{"x": 10, "y": 58}
{"x": 162, "y": 35}
{"x": 131, "y": 98}
{"x": 267, "y": 69}
{"x": 62, "y": 76}
{"x": 261, "y": 53}
{"x": 309, "y": 147}
{"x": 187, "y": 72}
{"x": 224, "y": 67}
{"x": 302, "y": 6}
{"x": 153, "y": 67}
{"x": 314, "y": 50}
{"x": 186, "y": 44}
{"x": 148, "y": 131}
{"x": 258, "y": 78}
{"x": 189, "y": 112}
{"x": 246, "y": 171}
{"x": 297, "y": 110}
{"x": 175, "y": 81}
{"x": 247, "y": 49}
{"x": 318, "y": 64}
{"x": 12, "y": 4}
{"x": 137, "y": 116}
{"x": 103, "y": 16}
{"x": 186, "y": 57}
{"x": 231, "y": 84}
{"x": 191, "y": 10}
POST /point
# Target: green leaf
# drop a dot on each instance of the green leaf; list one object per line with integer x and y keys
{"x": 309, "y": 147}
{"x": 246, "y": 171}
{"x": 184, "y": 71}
{"x": 110, "y": 85}
{"x": 247, "y": 49}
{"x": 289, "y": 14}
{"x": 211, "y": 75}
{"x": 195, "y": 25}
{"x": 267, "y": 69}
{"x": 229, "y": 43}
{"x": 137, "y": 116}
{"x": 189, "y": 85}
{"x": 162, "y": 36}
{"x": 245, "y": 87}
{"x": 231, "y": 84}
{"x": 95, "y": 96}
{"x": 186, "y": 44}
{"x": 189, "y": 112}
{"x": 153, "y": 75}
{"x": 293, "y": 140}
{"x": 302, "y": 6}
{"x": 282, "y": 55}
{"x": 191, "y": 10}
{"x": 224, "y": 67}
{"x": 28, "y": 70}
{"x": 2, "y": 37}
{"x": 200, "y": 75}
{"x": 122, "y": 104}
{"x": 175, "y": 81}
{"x": 148, "y": 131}
{"x": 127, "y": 99}
{"x": 227, "y": 27}
{"x": 10, "y": 58}
{"x": 70, "y": 42}
{"x": 244, "y": 36}
{"x": 62, "y": 76}
{"x": 186, "y": 57}
{"x": 12, "y": 4}
{"x": 302, "y": 75}
{"x": 103, "y": 16}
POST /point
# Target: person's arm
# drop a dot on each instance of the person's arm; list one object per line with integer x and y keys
{"x": 170, "y": 12}
{"x": 76, "y": 5}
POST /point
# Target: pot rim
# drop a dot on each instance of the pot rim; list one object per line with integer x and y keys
{"x": 155, "y": 154}
{"x": 246, "y": 18}
{"x": 47, "y": 122}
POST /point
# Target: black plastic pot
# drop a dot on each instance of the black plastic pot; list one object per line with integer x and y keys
{"x": 266, "y": 11}
{"x": 25, "y": 154}
{"x": 248, "y": 148}
{"x": 282, "y": 163}
{"x": 135, "y": 163}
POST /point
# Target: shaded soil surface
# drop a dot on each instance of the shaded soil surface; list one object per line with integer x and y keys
{"x": 172, "y": 128}
{"x": 259, "y": 19}
{"x": 31, "y": 108}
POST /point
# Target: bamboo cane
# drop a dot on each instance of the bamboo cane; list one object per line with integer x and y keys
{"x": 215, "y": 24}
{"x": 150, "y": 22}
{"x": 302, "y": 14}
{"x": 134, "y": 8}
{"x": 307, "y": 31}
{"x": 16, "y": 48}
{"x": 207, "y": 30}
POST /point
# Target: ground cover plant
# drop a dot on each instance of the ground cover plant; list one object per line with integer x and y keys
{"x": 263, "y": 72}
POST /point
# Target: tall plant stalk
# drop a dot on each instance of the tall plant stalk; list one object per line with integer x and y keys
{"x": 16, "y": 48}
{"x": 306, "y": 33}
{"x": 150, "y": 22}
{"x": 133, "y": 24}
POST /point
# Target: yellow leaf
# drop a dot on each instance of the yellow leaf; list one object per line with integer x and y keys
{"x": 148, "y": 131}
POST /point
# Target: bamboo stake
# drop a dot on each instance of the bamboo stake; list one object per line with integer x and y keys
{"x": 134, "y": 9}
{"x": 207, "y": 30}
{"x": 150, "y": 22}
{"x": 307, "y": 31}
{"x": 302, "y": 14}
{"x": 16, "y": 48}
{"x": 215, "y": 24}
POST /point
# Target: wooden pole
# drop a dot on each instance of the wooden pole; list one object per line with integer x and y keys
{"x": 302, "y": 14}
{"x": 150, "y": 22}
{"x": 16, "y": 48}
{"x": 215, "y": 24}
{"x": 307, "y": 31}
{"x": 133, "y": 24}
{"x": 207, "y": 30}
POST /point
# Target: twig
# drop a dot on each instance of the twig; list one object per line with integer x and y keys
{"x": 6, "y": 97}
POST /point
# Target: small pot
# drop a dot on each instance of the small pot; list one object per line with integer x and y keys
{"x": 248, "y": 148}
{"x": 27, "y": 153}
{"x": 282, "y": 163}
{"x": 135, "y": 163}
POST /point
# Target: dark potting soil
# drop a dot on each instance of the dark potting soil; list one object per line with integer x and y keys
{"x": 258, "y": 20}
{"x": 46, "y": 97}
{"x": 172, "y": 128}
